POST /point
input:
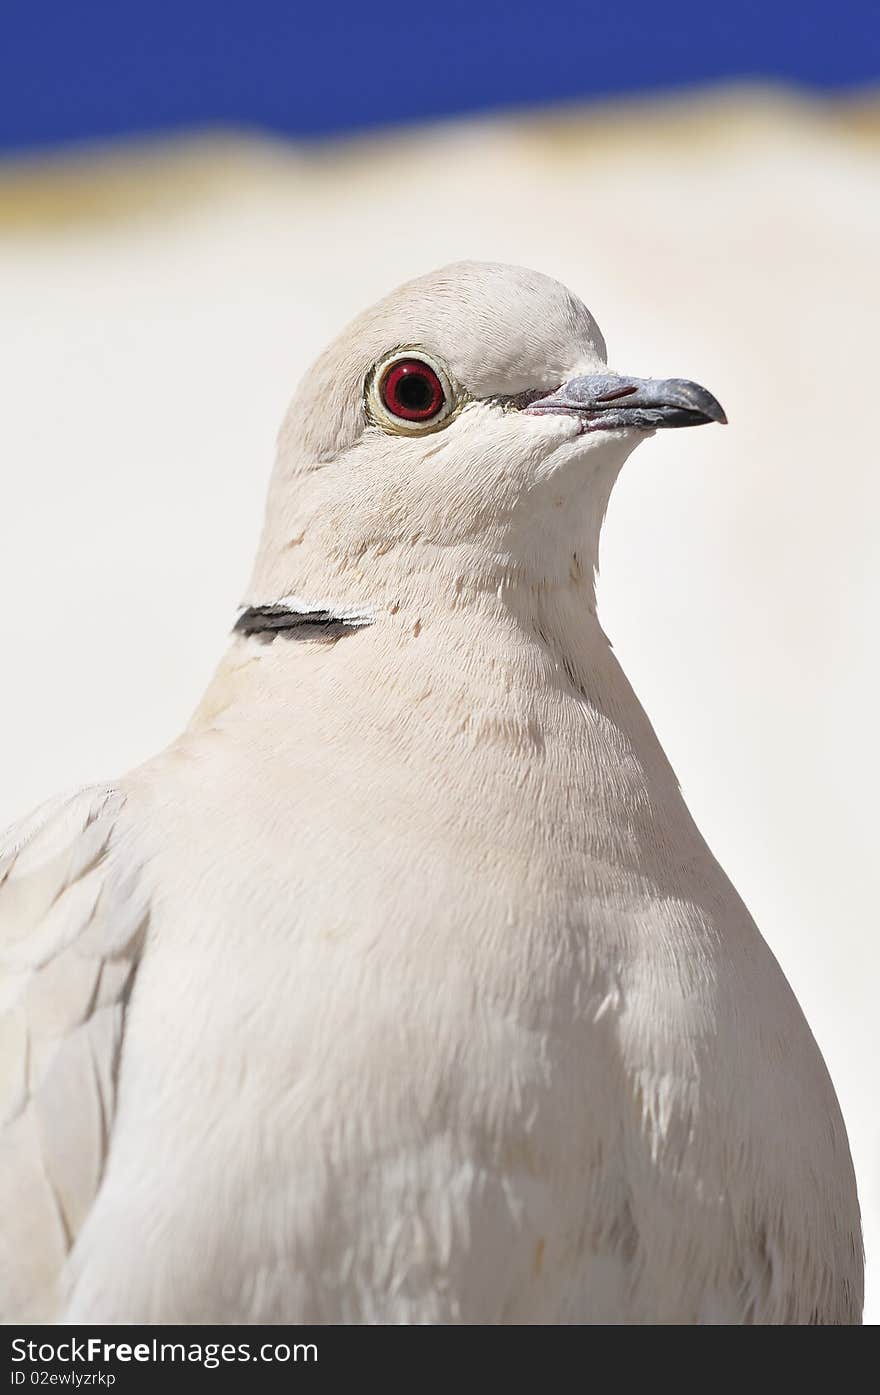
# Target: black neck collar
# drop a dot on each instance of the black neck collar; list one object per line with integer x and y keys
{"x": 265, "y": 622}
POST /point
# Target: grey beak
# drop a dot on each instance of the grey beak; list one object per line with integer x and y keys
{"x": 610, "y": 401}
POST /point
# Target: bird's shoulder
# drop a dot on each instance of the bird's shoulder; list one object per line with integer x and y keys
{"x": 73, "y": 912}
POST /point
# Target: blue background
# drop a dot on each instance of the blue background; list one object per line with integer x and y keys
{"x": 86, "y": 69}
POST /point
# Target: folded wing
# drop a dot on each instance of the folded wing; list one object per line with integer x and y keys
{"x": 73, "y": 912}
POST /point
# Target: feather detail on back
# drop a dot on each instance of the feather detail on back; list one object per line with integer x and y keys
{"x": 73, "y": 909}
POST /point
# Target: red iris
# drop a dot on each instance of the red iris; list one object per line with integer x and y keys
{"x": 412, "y": 390}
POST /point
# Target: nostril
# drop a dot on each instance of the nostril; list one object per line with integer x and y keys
{"x": 613, "y": 395}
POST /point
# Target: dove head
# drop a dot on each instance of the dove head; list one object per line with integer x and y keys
{"x": 462, "y": 435}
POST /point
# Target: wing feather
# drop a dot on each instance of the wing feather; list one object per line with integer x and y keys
{"x": 73, "y": 911}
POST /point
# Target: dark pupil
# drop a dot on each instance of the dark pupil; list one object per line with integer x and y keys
{"x": 415, "y": 392}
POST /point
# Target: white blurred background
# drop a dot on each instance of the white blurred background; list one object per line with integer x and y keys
{"x": 159, "y": 302}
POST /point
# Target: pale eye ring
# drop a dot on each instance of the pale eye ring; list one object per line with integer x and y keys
{"x": 409, "y": 392}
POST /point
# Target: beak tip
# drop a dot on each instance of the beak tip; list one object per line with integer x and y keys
{"x": 697, "y": 399}
{"x": 715, "y": 412}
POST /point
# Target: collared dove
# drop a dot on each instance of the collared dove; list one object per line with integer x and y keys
{"x": 402, "y": 987}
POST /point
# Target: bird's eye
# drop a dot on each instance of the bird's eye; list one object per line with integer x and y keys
{"x": 412, "y": 390}
{"x": 409, "y": 393}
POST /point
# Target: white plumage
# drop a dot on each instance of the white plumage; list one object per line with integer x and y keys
{"x": 442, "y": 1010}
{"x": 72, "y": 914}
